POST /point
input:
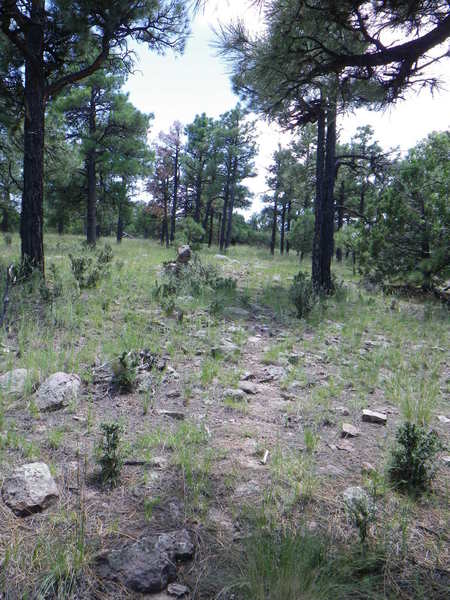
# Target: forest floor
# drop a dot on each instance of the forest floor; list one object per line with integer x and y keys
{"x": 238, "y": 439}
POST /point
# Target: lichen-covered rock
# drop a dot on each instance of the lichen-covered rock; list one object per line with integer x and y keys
{"x": 147, "y": 565}
{"x": 57, "y": 392}
{"x": 184, "y": 254}
{"x": 30, "y": 489}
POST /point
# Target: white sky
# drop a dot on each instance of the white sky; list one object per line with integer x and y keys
{"x": 179, "y": 87}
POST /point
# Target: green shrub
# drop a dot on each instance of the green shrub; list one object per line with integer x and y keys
{"x": 302, "y": 294}
{"x": 125, "y": 372}
{"x": 192, "y": 233}
{"x": 110, "y": 454}
{"x": 89, "y": 268}
{"x": 412, "y": 464}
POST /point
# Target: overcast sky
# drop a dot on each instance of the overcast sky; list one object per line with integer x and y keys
{"x": 179, "y": 87}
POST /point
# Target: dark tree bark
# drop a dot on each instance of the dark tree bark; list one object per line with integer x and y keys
{"x": 318, "y": 203}
{"x": 211, "y": 228}
{"x": 327, "y": 246}
{"x": 119, "y": 234}
{"x": 225, "y": 207}
{"x": 289, "y": 217}
{"x": 175, "y": 196}
{"x": 32, "y": 218}
{"x": 231, "y": 202}
{"x": 340, "y": 217}
{"x": 282, "y": 227}
{"x": 60, "y": 225}
{"x": 219, "y": 228}
{"x": 274, "y": 223}
{"x": 91, "y": 222}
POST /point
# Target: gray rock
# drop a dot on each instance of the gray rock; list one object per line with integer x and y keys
{"x": 221, "y": 257}
{"x": 57, "y": 391}
{"x": 184, "y": 254}
{"x": 371, "y": 416}
{"x": 172, "y": 414}
{"x": 149, "y": 564}
{"x": 443, "y": 419}
{"x": 248, "y": 387}
{"x": 30, "y": 489}
{"x": 14, "y": 382}
{"x": 177, "y": 590}
{"x": 349, "y": 430}
{"x": 234, "y": 394}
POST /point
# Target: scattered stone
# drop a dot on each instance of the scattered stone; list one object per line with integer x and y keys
{"x": 177, "y": 590}
{"x": 370, "y": 416}
{"x": 57, "y": 391}
{"x": 14, "y": 382}
{"x": 234, "y": 394}
{"x": 446, "y": 460}
{"x": 247, "y": 375}
{"x": 254, "y": 339}
{"x": 226, "y": 347}
{"x": 173, "y": 393}
{"x": 248, "y": 387}
{"x": 173, "y": 414}
{"x": 443, "y": 419}
{"x": 184, "y": 254}
{"x": 221, "y": 257}
{"x": 271, "y": 373}
{"x": 342, "y": 410}
{"x": 30, "y": 489}
{"x": 149, "y": 564}
{"x": 276, "y": 278}
{"x": 349, "y": 430}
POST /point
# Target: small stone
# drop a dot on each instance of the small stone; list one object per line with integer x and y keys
{"x": 344, "y": 445}
{"x": 57, "y": 391}
{"x": 446, "y": 460}
{"x": 371, "y": 416}
{"x": 254, "y": 339}
{"x": 221, "y": 257}
{"x": 443, "y": 419}
{"x": 342, "y": 410}
{"x": 30, "y": 489}
{"x": 173, "y": 394}
{"x": 349, "y": 430}
{"x": 248, "y": 387}
{"x": 173, "y": 414}
{"x": 234, "y": 394}
{"x": 184, "y": 254}
{"x": 177, "y": 590}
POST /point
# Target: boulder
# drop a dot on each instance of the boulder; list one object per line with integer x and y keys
{"x": 234, "y": 394}
{"x": 371, "y": 416}
{"x": 149, "y": 564}
{"x": 184, "y": 254}
{"x": 248, "y": 387}
{"x": 57, "y": 391}
{"x": 30, "y": 489}
{"x": 177, "y": 590}
{"x": 14, "y": 382}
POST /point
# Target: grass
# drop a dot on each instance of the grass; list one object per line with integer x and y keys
{"x": 354, "y": 351}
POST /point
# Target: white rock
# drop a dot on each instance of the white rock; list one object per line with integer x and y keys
{"x": 57, "y": 391}
{"x": 14, "y": 382}
{"x": 443, "y": 419}
{"x": 221, "y": 257}
{"x": 349, "y": 430}
{"x": 30, "y": 489}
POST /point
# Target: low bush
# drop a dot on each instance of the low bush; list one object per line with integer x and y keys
{"x": 110, "y": 456}
{"x": 302, "y": 294}
{"x": 412, "y": 464}
{"x": 90, "y": 267}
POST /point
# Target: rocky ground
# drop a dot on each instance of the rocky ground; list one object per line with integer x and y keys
{"x": 233, "y": 412}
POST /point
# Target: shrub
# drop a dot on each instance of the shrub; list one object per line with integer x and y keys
{"x": 125, "y": 371}
{"x": 302, "y": 294}
{"x": 412, "y": 464}
{"x": 192, "y": 233}
{"x": 88, "y": 268}
{"x": 110, "y": 454}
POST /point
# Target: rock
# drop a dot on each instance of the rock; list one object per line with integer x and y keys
{"x": 342, "y": 410}
{"x": 177, "y": 590}
{"x": 254, "y": 339}
{"x": 248, "y": 387}
{"x": 276, "y": 278}
{"x": 349, "y": 430}
{"x": 370, "y": 416}
{"x": 14, "y": 382}
{"x": 148, "y": 565}
{"x": 184, "y": 254}
{"x": 446, "y": 460}
{"x": 173, "y": 414}
{"x": 272, "y": 373}
{"x": 30, "y": 489}
{"x": 234, "y": 394}
{"x": 344, "y": 445}
{"x": 173, "y": 393}
{"x": 57, "y": 391}
{"x": 443, "y": 419}
{"x": 221, "y": 257}
{"x": 225, "y": 347}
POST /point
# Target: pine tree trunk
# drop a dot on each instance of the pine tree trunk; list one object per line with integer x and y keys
{"x": 340, "y": 217}
{"x": 231, "y": 203}
{"x": 91, "y": 222}
{"x": 282, "y": 227}
{"x": 211, "y": 226}
{"x": 328, "y": 217}
{"x": 225, "y": 208}
{"x": 60, "y": 225}
{"x": 289, "y": 217}
{"x": 175, "y": 197}
{"x": 32, "y": 216}
{"x": 274, "y": 223}
{"x": 318, "y": 204}
{"x": 119, "y": 224}
{"x": 219, "y": 228}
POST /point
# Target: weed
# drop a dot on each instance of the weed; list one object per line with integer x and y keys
{"x": 311, "y": 440}
{"x": 412, "y": 464}
{"x": 302, "y": 294}
{"x": 110, "y": 454}
{"x": 149, "y": 505}
{"x": 125, "y": 372}
{"x": 55, "y": 438}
